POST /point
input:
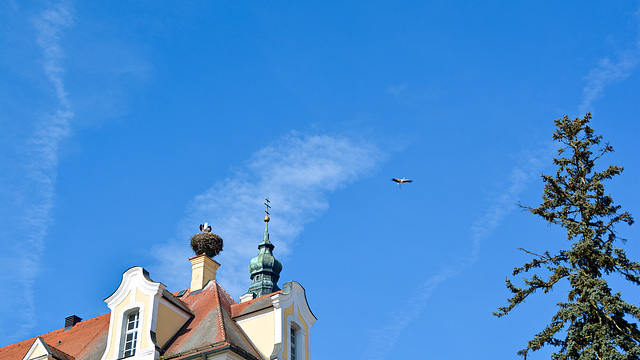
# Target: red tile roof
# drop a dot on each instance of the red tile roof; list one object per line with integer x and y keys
{"x": 85, "y": 341}
{"x": 58, "y": 354}
{"x": 257, "y": 304}
{"x": 211, "y": 329}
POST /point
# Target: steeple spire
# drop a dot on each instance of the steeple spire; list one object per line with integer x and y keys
{"x": 264, "y": 268}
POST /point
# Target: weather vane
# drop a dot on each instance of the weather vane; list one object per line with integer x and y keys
{"x": 266, "y": 218}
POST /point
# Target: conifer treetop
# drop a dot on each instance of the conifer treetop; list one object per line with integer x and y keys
{"x": 593, "y": 322}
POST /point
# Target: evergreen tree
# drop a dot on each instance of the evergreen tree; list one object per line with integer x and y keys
{"x": 593, "y": 323}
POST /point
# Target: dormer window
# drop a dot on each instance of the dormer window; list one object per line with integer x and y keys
{"x": 130, "y": 338}
{"x": 144, "y": 317}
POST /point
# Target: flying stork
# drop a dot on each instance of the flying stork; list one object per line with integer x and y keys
{"x": 400, "y": 181}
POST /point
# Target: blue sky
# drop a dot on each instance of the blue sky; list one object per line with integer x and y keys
{"x": 124, "y": 125}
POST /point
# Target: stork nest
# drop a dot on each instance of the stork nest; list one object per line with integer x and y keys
{"x": 206, "y": 243}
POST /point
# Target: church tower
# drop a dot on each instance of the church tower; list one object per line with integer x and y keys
{"x": 264, "y": 268}
{"x": 276, "y": 320}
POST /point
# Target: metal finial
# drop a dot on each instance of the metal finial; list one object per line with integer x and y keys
{"x": 266, "y": 218}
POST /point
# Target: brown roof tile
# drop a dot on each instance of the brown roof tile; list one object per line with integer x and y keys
{"x": 257, "y": 304}
{"x": 212, "y": 326}
{"x": 58, "y": 354}
{"x": 86, "y": 341}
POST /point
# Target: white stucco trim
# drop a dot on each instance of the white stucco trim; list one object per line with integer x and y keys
{"x": 135, "y": 280}
{"x": 292, "y": 294}
{"x": 300, "y": 338}
{"x": 38, "y": 343}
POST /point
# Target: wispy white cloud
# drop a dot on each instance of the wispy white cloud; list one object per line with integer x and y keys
{"x": 609, "y": 71}
{"x": 297, "y": 175}
{"x": 503, "y": 203}
{"x": 35, "y": 199}
{"x": 50, "y": 24}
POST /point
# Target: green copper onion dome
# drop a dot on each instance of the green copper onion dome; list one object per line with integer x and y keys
{"x": 265, "y": 268}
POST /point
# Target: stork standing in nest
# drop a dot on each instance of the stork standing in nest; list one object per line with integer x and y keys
{"x": 205, "y": 227}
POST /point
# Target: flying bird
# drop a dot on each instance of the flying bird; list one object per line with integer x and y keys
{"x": 400, "y": 181}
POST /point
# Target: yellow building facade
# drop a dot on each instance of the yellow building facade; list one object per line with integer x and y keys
{"x": 147, "y": 322}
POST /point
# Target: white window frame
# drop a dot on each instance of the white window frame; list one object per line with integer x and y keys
{"x": 299, "y": 346}
{"x": 126, "y": 331}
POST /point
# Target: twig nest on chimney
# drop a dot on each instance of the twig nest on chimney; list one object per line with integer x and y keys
{"x": 206, "y": 243}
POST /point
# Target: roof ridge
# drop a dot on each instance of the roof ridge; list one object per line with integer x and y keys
{"x": 229, "y": 297}
{"x": 221, "y": 324}
{"x": 226, "y": 307}
{"x": 176, "y": 301}
{"x": 57, "y": 352}
{"x": 229, "y": 314}
{"x": 255, "y": 304}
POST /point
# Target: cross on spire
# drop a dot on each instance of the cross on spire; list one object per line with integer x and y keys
{"x": 266, "y": 218}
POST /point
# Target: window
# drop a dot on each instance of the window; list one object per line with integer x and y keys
{"x": 293, "y": 343}
{"x": 130, "y": 334}
{"x": 296, "y": 341}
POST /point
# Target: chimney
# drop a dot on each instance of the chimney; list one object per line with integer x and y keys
{"x": 69, "y": 321}
{"x": 203, "y": 270}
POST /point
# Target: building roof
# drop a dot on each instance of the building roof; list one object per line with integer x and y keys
{"x": 252, "y": 306}
{"x": 86, "y": 340}
{"x": 58, "y": 354}
{"x": 211, "y": 329}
